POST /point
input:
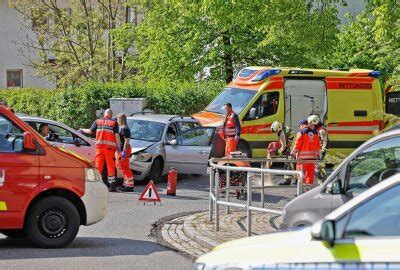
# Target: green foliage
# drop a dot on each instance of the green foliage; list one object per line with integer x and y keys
{"x": 183, "y": 39}
{"x": 77, "y": 107}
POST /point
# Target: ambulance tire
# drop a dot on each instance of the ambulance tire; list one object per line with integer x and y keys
{"x": 52, "y": 222}
{"x": 244, "y": 147}
{"x": 16, "y": 234}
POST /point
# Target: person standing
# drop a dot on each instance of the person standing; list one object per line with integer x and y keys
{"x": 122, "y": 158}
{"x": 107, "y": 143}
{"x": 231, "y": 130}
{"x": 307, "y": 147}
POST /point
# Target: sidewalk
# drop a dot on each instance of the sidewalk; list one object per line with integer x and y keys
{"x": 192, "y": 234}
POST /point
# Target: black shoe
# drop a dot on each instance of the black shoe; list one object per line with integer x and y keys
{"x": 285, "y": 182}
{"x": 112, "y": 187}
{"x": 126, "y": 189}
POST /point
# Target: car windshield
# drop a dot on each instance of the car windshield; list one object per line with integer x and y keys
{"x": 239, "y": 98}
{"x": 145, "y": 130}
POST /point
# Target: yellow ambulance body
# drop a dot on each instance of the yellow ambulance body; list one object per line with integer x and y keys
{"x": 344, "y": 99}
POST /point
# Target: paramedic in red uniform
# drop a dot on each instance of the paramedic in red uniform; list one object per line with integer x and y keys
{"x": 107, "y": 143}
{"x": 231, "y": 130}
{"x": 122, "y": 158}
{"x": 307, "y": 147}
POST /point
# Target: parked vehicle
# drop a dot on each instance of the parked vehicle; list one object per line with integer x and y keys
{"x": 63, "y": 136}
{"x": 344, "y": 100}
{"x": 160, "y": 142}
{"x": 46, "y": 192}
{"x": 361, "y": 234}
{"x": 371, "y": 163}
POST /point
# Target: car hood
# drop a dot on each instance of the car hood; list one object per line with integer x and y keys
{"x": 138, "y": 145}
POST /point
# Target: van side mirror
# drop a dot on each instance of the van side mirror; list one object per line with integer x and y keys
{"x": 324, "y": 230}
{"x": 29, "y": 141}
{"x": 252, "y": 113}
{"x": 334, "y": 187}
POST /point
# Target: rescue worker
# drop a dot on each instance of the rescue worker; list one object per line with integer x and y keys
{"x": 231, "y": 129}
{"x": 122, "y": 158}
{"x": 323, "y": 138}
{"x": 281, "y": 147}
{"x": 307, "y": 147}
{"x": 107, "y": 142}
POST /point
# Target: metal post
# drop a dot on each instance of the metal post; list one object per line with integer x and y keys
{"x": 300, "y": 184}
{"x": 212, "y": 174}
{"x": 262, "y": 186}
{"x": 216, "y": 205}
{"x": 228, "y": 185}
{"x": 248, "y": 205}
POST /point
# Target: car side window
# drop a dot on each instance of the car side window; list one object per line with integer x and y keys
{"x": 60, "y": 135}
{"x": 379, "y": 216}
{"x": 185, "y": 126}
{"x": 196, "y": 137}
{"x": 11, "y": 139}
{"x": 171, "y": 131}
{"x": 266, "y": 105}
{"x": 373, "y": 165}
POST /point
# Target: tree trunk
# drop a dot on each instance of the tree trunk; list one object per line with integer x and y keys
{"x": 228, "y": 61}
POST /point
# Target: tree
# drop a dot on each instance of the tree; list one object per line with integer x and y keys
{"x": 372, "y": 40}
{"x": 74, "y": 42}
{"x": 184, "y": 39}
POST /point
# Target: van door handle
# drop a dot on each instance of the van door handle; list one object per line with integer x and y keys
{"x": 334, "y": 124}
{"x": 203, "y": 152}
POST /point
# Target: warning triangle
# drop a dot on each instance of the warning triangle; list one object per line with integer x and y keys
{"x": 150, "y": 193}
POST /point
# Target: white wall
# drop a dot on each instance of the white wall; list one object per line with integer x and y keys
{"x": 12, "y": 30}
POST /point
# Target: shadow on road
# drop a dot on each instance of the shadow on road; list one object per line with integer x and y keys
{"x": 82, "y": 247}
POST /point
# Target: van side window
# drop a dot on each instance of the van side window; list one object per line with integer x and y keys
{"x": 10, "y": 136}
{"x": 267, "y": 104}
{"x": 374, "y": 164}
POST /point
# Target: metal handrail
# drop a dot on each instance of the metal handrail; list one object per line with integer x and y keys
{"x": 215, "y": 202}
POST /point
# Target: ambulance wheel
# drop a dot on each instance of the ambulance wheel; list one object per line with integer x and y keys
{"x": 52, "y": 222}
{"x": 155, "y": 171}
{"x": 244, "y": 148}
{"x": 16, "y": 234}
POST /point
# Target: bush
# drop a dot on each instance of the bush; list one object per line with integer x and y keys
{"x": 77, "y": 107}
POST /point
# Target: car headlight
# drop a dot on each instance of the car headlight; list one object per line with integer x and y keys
{"x": 199, "y": 266}
{"x": 92, "y": 175}
{"x": 143, "y": 157}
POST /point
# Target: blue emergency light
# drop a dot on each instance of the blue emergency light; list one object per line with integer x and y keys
{"x": 374, "y": 73}
{"x": 265, "y": 74}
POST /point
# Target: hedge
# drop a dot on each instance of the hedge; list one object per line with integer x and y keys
{"x": 77, "y": 107}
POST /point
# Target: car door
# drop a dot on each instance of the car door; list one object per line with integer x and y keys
{"x": 189, "y": 152}
{"x": 19, "y": 172}
{"x": 372, "y": 165}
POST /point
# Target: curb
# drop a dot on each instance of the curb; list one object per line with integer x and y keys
{"x": 191, "y": 232}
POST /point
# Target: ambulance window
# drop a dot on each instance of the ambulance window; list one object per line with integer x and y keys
{"x": 10, "y": 136}
{"x": 266, "y": 105}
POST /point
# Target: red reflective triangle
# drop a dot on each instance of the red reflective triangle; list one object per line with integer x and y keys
{"x": 150, "y": 193}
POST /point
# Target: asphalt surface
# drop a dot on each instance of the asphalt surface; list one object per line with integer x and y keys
{"x": 121, "y": 240}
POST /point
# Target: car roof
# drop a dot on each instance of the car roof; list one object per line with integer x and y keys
{"x": 162, "y": 118}
{"x": 26, "y": 117}
{"x": 364, "y": 196}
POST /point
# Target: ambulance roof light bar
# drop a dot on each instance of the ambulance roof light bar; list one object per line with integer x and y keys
{"x": 265, "y": 74}
{"x": 374, "y": 74}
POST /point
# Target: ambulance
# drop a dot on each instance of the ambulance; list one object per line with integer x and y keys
{"x": 46, "y": 192}
{"x": 345, "y": 100}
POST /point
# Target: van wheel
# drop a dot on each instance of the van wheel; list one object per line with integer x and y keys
{"x": 16, "y": 234}
{"x": 155, "y": 171}
{"x": 244, "y": 148}
{"x": 52, "y": 222}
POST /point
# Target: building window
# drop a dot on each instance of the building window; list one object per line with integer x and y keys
{"x": 14, "y": 78}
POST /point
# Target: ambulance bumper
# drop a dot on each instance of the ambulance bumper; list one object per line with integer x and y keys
{"x": 95, "y": 201}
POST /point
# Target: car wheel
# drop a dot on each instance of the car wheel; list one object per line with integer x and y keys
{"x": 244, "y": 148}
{"x": 52, "y": 222}
{"x": 155, "y": 171}
{"x": 16, "y": 234}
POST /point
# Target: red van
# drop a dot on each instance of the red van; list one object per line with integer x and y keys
{"x": 46, "y": 192}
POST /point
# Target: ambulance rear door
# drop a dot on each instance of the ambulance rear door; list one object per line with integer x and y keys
{"x": 302, "y": 98}
{"x": 393, "y": 103}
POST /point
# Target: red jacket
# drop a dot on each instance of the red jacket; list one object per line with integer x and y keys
{"x": 307, "y": 145}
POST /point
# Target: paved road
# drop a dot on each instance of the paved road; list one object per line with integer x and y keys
{"x": 120, "y": 241}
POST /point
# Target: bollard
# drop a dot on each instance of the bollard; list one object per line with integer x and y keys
{"x": 228, "y": 185}
{"x": 212, "y": 175}
{"x": 216, "y": 206}
{"x": 262, "y": 186}
{"x": 172, "y": 180}
{"x": 248, "y": 205}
